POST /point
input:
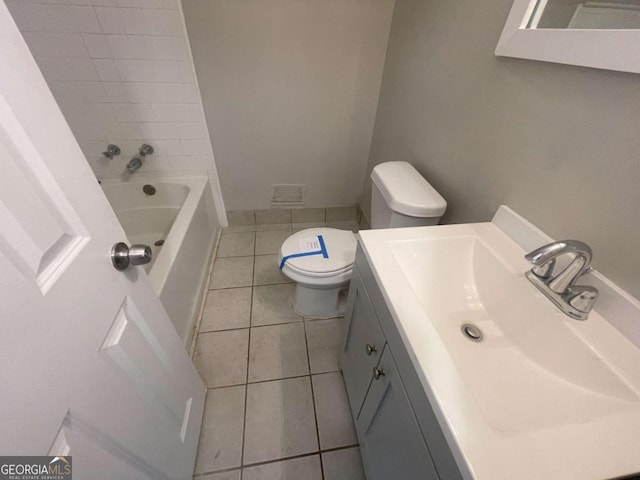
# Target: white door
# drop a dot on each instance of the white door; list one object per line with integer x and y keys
{"x": 90, "y": 365}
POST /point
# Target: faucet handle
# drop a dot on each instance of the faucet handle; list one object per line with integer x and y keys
{"x": 145, "y": 149}
{"x": 545, "y": 270}
{"x": 582, "y": 297}
{"x": 112, "y": 151}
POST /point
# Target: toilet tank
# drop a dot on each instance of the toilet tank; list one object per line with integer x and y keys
{"x": 401, "y": 197}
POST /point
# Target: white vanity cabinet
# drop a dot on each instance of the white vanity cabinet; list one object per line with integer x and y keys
{"x": 399, "y": 435}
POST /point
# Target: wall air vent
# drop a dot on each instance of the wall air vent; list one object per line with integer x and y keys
{"x": 287, "y": 195}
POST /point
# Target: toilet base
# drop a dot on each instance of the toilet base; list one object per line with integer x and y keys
{"x": 313, "y": 302}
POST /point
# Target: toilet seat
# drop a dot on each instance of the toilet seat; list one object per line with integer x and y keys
{"x": 339, "y": 246}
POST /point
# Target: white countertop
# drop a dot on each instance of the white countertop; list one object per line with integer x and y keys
{"x": 492, "y": 432}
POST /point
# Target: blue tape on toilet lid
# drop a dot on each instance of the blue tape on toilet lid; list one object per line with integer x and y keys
{"x": 340, "y": 246}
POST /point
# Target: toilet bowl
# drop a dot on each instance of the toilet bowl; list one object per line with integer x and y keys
{"x": 320, "y": 260}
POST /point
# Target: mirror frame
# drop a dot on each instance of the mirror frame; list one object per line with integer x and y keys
{"x": 608, "y": 49}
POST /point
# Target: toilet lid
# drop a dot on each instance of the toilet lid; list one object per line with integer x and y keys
{"x": 338, "y": 254}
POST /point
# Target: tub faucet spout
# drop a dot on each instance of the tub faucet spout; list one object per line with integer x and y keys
{"x": 134, "y": 164}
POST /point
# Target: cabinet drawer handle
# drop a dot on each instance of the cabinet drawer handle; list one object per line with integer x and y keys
{"x": 371, "y": 349}
{"x": 378, "y": 372}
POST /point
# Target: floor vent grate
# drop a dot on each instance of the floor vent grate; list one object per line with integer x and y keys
{"x": 287, "y": 195}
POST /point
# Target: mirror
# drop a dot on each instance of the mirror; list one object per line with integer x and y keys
{"x": 577, "y": 14}
{"x": 576, "y": 32}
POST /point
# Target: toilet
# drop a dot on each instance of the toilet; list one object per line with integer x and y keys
{"x": 320, "y": 260}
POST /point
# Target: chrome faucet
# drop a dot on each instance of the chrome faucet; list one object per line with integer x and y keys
{"x": 134, "y": 164}
{"x": 574, "y": 300}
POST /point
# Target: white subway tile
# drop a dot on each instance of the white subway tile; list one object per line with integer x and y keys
{"x": 168, "y": 163}
{"x": 166, "y": 147}
{"x": 164, "y": 48}
{"x": 49, "y": 44}
{"x": 131, "y": 46}
{"x": 180, "y": 49}
{"x": 134, "y": 21}
{"x": 158, "y": 130}
{"x": 73, "y": 69}
{"x": 107, "y": 71}
{"x": 143, "y": 112}
{"x": 109, "y": 18}
{"x": 131, "y": 131}
{"x": 100, "y": 131}
{"x": 37, "y": 17}
{"x": 132, "y": 70}
{"x": 198, "y": 146}
{"x": 191, "y": 130}
{"x": 70, "y": 92}
{"x": 96, "y": 45}
{"x": 163, "y": 22}
{"x": 124, "y": 112}
{"x": 151, "y": 3}
{"x": 202, "y": 162}
{"x": 170, "y": 4}
{"x": 129, "y": 3}
{"x": 66, "y": 17}
{"x": 118, "y": 45}
{"x": 104, "y": 3}
{"x": 83, "y": 19}
{"x": 171, "y": 130}
{"x": 182, "y": 93}
{"x": 186, "y": 72}
{"x": 177, "y": 112}
{"x": 89, "y": 113}
{"x": 115, "y": 92}
{"x": 145, "y": 92}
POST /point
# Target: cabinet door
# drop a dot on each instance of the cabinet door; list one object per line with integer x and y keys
{"x": 363, "y": 346}
{"x": 391, "y": 441}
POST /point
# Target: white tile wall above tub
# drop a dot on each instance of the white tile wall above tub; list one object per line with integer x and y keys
{"x": 75, "y": 92}
{"x": 110, "y": 20}
{"x": 52, "y": 44}
{"x": 134, "y": 21}
{"x": 198, "y": 146}
{"x": 143, "y": 112}
{"x": 122, "y": 73}
{"x": 96, "y": 45}
{"x": 163, "y": 22}
{"x": 106, "y": 70}
{"x": 83, "y": 19}
{"x": 115, "y": 92}
{"x": 68, "y": 69}
{"x": 177, "y": 112}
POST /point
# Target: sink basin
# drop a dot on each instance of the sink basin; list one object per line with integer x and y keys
{"x": 541, "y": 395}
{"x": 528, "y": 345}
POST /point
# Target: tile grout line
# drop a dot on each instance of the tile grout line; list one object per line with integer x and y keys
{"x": 313, "y": 400}
{"x": 246, "y": 387}
{"x": 273, "y": 380}
{"x": 277, "y": 460}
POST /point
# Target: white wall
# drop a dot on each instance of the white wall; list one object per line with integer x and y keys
{"x": 559, "y": 144}
{"x": 290, "y": 89}
{"x": 122, "y": 73}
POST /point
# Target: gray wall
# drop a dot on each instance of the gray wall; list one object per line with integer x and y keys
{"x": 559, "y": 144}
{"x": 290, "y": 89}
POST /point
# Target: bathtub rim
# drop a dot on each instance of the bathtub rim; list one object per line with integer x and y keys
{"x": 196, "y": 184}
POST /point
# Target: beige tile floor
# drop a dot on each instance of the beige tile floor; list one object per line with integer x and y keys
{"x": 276, "y": 408}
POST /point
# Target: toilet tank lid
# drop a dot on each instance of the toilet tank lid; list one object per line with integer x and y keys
{"x": 406, "y": 191}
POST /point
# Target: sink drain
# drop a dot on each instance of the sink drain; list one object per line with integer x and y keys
{"x": 472, "y": 332}
{"x": 159, "y": 243}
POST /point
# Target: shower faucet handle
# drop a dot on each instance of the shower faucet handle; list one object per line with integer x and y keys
{"x": 145, "y": 149}
{"x": 112, "y": 151}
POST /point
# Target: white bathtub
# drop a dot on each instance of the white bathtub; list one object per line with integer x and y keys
{"x": 178, "y": 216}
